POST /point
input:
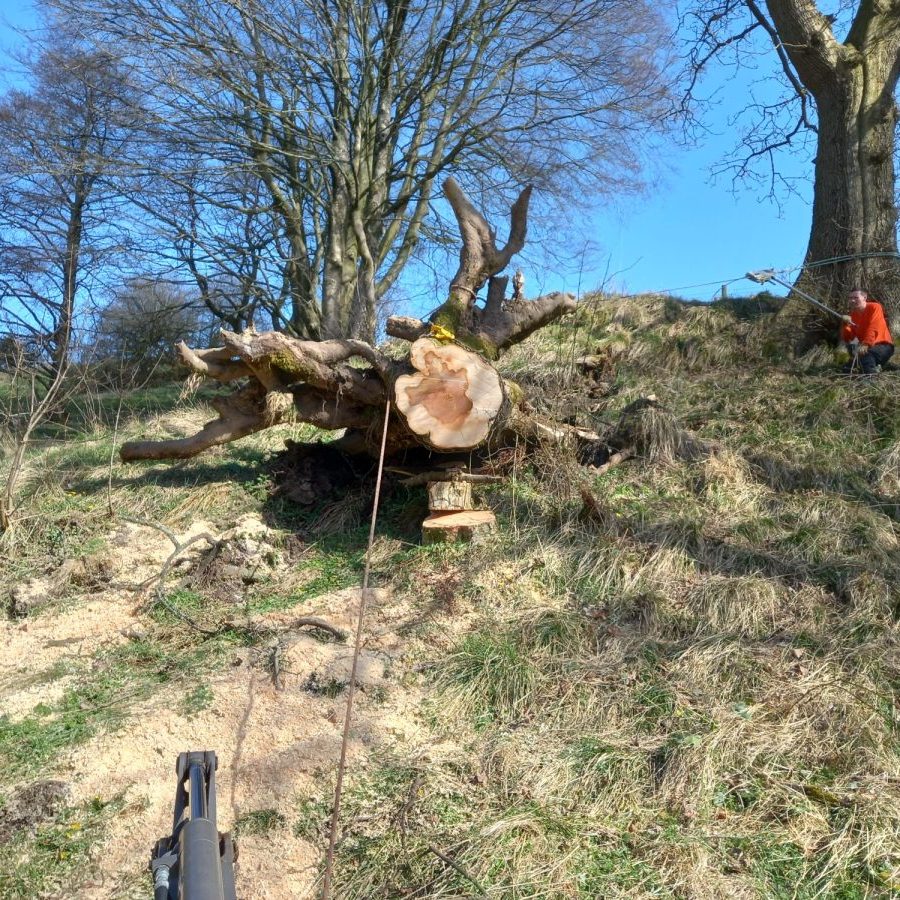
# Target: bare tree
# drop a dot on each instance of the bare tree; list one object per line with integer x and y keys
{"x": 345, "y": 113}
{"x": 839, "y": 72}
{"x": 56, "y": 229}
{"x": 215, "y": 232}
{"x": 135, "y": 332}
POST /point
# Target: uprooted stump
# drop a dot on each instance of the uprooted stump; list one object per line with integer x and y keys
{"x": 445, "y": 395}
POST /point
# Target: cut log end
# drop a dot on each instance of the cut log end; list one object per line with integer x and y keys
{"x": 452, "y": 398}
{"x": 451, "y": 527}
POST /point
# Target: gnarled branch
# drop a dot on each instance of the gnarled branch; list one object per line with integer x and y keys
{"x": 480, "y": 258}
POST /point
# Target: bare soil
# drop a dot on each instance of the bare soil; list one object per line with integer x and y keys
{"x": 277, "y": 739}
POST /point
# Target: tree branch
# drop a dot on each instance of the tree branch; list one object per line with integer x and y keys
{"x": 479, "y": 257}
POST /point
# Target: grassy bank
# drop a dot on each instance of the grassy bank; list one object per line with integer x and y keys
{"x": 684, "y": 688}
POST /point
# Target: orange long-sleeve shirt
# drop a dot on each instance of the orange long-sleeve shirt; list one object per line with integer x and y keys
{"x": 869, "y": 326}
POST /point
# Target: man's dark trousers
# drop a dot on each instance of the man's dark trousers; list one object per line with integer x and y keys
{"x": 878, "y": 355}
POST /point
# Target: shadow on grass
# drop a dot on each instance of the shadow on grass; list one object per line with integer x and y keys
{"x": 400, "y": 514}
{"x": 786, "y": 477}
{"x": 715, "y": 556}
{"x": 186, "y": 479}
{"x": 242, "y": 466}
{"x": 339, "y": 514}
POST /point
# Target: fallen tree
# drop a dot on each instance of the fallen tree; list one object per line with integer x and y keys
{"x": 445, "y": 394}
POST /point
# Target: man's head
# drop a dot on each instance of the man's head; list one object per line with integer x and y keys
{"x": 857, "y": 299}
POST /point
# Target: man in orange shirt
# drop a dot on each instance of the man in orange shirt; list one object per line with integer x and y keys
{"x": 867, "y": 325}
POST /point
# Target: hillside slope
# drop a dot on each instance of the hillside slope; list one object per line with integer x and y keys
{"x": 674, "y": 678}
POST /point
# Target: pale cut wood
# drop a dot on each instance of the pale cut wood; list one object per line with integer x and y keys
{"x": 445, "y": 397}
{"x": 452, "y": 399}
{"x": 447, "y": 496}
{"x": 472, "y": 525}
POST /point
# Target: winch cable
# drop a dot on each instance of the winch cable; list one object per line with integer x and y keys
{"x": 767, "y": 275}
{"x": 814, "y": 264}
{"x": 760, "y": 277}
{"x": 351, "y": 690}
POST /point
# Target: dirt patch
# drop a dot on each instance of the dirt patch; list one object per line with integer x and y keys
{"x": 36, "y": 654}
{"x": 276, "y": 746}
{"x": 308, "y": 474}
{"x": 31, "y": 805}
{"x": 274, "y": 716}
{"x": 104, "y": 604}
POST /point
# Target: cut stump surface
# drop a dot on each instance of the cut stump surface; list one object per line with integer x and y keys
{"x": 452, "y": 398}
{"x": 471, "y": 525}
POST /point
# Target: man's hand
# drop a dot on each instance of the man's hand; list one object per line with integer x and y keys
{"x": 847, "y": 320}
{"x": 863, "y": 349}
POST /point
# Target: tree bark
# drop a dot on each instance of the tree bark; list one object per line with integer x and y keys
{"x": 445, "y": 395}
{"x": 854, "y": 210}
{"x": 854, "y": 204}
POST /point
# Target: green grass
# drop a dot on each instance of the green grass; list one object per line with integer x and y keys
{"x": 325, "y": 568}
{"x": 611, "y": 868}
{"x": 313, "y": 818}
{"x": 55, "y": 858}
{"x": 491, "y": 675}
{"x": 650, "y": 671}
{"x": 179, "y": 603}
{"x": 103, "y": 697}
{"x": 782, "y": 871}
{"x": 405, "y": 814}
{"x": 196, "y": 701}
{"x": 259, "y": 822}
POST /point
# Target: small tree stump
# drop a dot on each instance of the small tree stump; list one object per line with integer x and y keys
{"x": 449, "y": 527}
{"x": 449, "y": 496}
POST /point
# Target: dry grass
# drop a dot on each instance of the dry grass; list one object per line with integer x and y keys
{"x": 692, "y": 695}
{"x": 695, "y": 694}
{"x": 887, "y": 473}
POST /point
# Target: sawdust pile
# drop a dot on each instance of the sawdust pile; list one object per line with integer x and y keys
{"x": 275, "y": 718}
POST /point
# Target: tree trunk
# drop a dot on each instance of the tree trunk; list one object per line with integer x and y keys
{"x": 362, "y": 311}
{"x": 854, "y": 204}
{"x": 854, "y": 211}
{"x": 63, "y": 332}
{"x": 339, "y": 282}
{"x": 305, "y": 317}
{"x": 445, "y": 395}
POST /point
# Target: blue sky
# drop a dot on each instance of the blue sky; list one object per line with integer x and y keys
{"x": 15, "y": 14}
{"x": 691, "y": 232}
{"x": 687, "y": 235}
